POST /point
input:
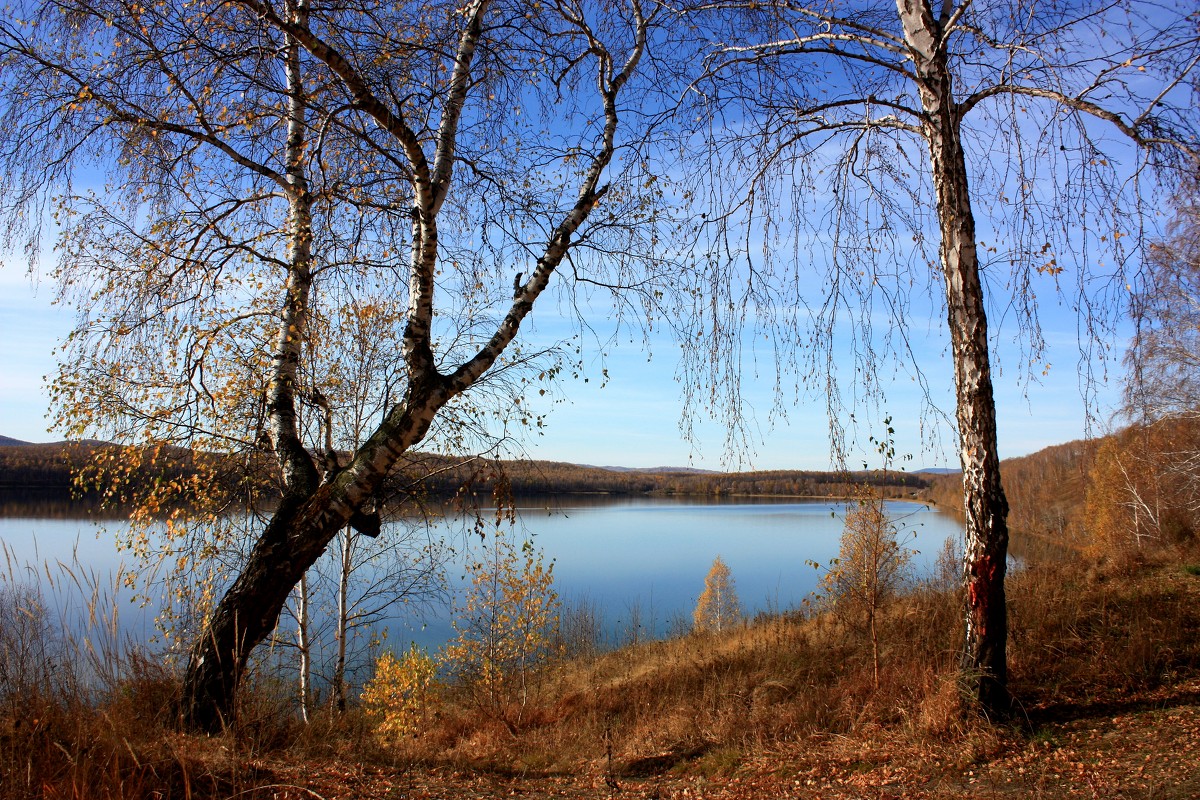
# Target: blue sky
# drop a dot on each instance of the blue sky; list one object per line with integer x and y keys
{"x": 633, "y": 419}
{"x": 30, "y": 330}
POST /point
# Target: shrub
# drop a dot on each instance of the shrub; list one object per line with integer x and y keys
{"x": 400, "y": 695}
{"x": 507, "y": 629}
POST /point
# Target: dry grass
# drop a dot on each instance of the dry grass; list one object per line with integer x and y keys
{"x": 64, "y": 736}
{"x": 1099, "y": 634}
{"x": 705, "y": 704}
{"x": 704, "y": 701}
{"x": 85, "y": 715}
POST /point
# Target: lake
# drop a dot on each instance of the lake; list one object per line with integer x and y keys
{"x": 638, "y": 564}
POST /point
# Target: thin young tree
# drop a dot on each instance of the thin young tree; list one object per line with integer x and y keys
{"x": 267, "y": 160}
{"x": 1163, "y": 359}
{"x": 506, "y": 628}
{"x": 363, "y": 577}
{"x": 718, "y": 608}
{"x": 1144, "y": 487}
{"x": 866, "y": 141}
{"x": 349, "y": 598}
{"x": 870, "y": 569}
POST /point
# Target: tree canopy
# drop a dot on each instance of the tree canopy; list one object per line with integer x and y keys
{"x": 977, "y": 156}
{"x": 289, "y": 187}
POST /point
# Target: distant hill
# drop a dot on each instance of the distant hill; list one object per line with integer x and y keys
{"x": 1046, "y": 494}
{"x": 658, "y": 470}
{"x": 548, "y": 477}
{"x": 49, "y": 469}
{"x": 32, "y": 467}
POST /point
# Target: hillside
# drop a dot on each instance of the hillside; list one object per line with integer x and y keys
{"x": 40, "y": 467}
{"x": 1106, "y": 669}
{"x": 1104, "y": 664}
{"x": 1045, "y": 490}
{"x": 527, "y": 477}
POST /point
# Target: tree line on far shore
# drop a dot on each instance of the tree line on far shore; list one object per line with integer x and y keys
{"x": 57, "y": 473}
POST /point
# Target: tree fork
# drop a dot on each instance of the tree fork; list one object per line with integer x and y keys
{"x": 293, "y": 540}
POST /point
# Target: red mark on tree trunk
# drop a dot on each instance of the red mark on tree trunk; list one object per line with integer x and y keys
{"x": 980, "y": 589}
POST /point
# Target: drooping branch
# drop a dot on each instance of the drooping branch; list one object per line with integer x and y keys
{"x": 1141, "y": 130}
{"x": 387, "y": 117}
{"x": 123, "y": 112}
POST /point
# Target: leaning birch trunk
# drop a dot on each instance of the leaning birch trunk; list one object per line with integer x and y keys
{"x": 312, "y": 512}
{"x": 219, "y": 246}
{"x": 293, "y": 540}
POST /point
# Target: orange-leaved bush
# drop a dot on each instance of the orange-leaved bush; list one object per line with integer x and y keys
{"x": 507, "y": 628}
{"x": 871, "y": 568}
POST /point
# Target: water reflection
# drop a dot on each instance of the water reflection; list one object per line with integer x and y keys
{"x": 35, "y": 503}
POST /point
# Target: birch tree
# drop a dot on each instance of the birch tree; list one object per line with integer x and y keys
{"x": 506, "y": 628}
{"x": 870, "y": 569}
{"x": 1053, "y": 119}
{"x": 718, "y": 608}
{"x": 1164, "y": 356}
{"x": 363, "y": 577}
{"x": 264, "y": 161}
{"x": 1144, "y": 487}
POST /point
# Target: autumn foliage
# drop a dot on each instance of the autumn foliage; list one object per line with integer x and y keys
{"x": 1143, "y": 492}
{"x": 869, "y": 571}
{"x": 398, "y": 698}
{"x": 506, "y": 629}
{"x": 718, "y": 608}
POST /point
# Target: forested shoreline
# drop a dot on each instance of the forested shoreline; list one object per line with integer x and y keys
{"x": 1051, "y": 493}
{"x": 59, "y": 473}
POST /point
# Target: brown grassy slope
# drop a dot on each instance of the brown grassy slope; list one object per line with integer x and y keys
{"x": 1106, "y": 668}
{"x": 1096, "y": 659}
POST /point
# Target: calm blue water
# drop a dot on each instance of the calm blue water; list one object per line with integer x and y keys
{"x": 640, "y": 563}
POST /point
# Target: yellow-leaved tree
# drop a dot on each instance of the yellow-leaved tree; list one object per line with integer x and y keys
{"x": 718, "y": 608}
{"x": 507, "y": 628}
{"x": 266, "y": 181}
{"x": 870, "y": 569}
{"x": 397, "y": 699}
